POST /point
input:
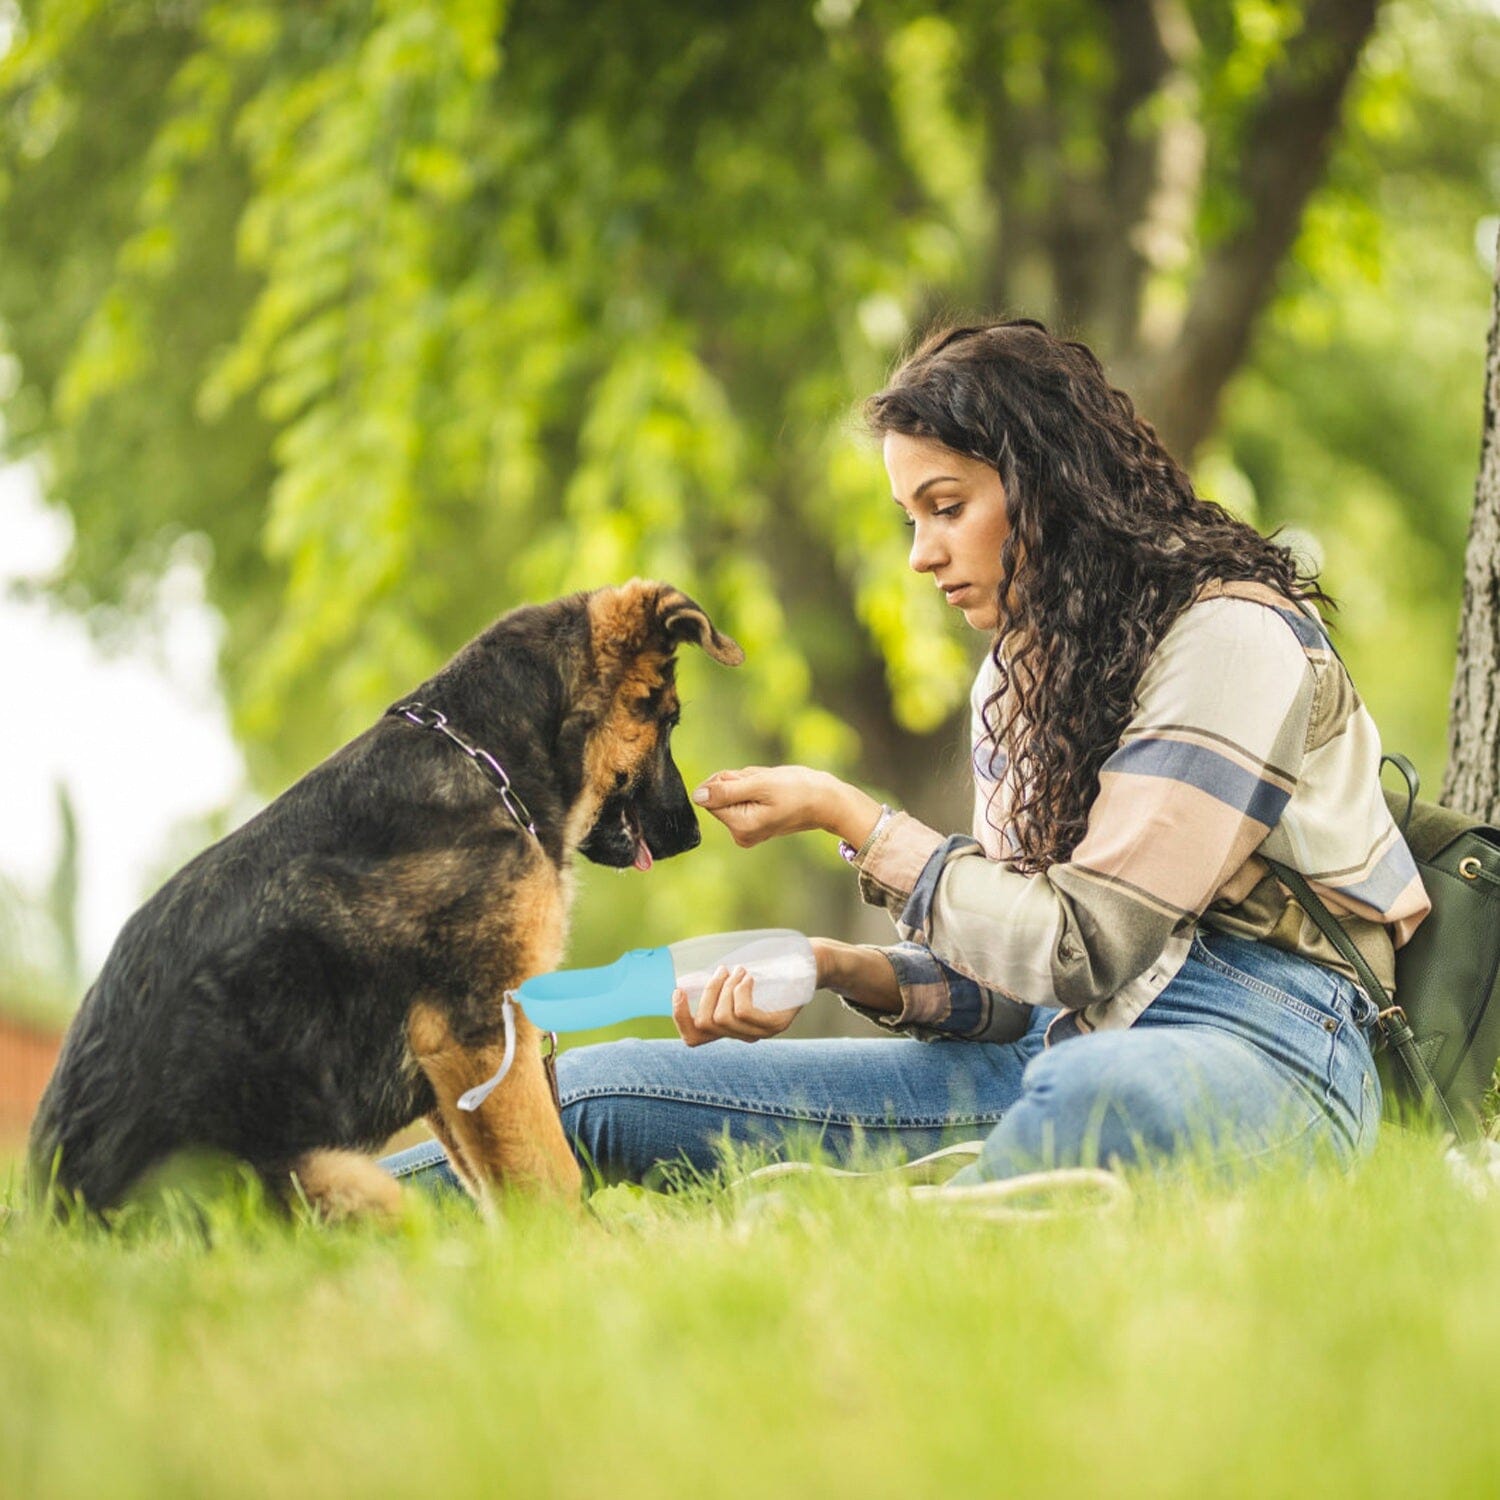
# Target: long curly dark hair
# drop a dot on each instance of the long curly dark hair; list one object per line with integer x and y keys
{"x": 1108, "y": 544}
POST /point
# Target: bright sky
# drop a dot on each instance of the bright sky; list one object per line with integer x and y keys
{"x": 140, "y": 738}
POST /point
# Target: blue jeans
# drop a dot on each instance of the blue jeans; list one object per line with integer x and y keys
{"x": 1249, "y": 1055}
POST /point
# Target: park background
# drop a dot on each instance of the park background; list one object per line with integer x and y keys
{"x": 330, "y": 331}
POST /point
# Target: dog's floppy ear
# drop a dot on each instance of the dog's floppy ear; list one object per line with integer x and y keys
{"x": 681, "y": 619}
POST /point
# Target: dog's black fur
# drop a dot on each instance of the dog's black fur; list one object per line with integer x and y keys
{"x": 259, "y": 1003}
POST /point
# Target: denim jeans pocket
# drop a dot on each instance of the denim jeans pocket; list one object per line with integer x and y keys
{"x": 1303, "y": 988}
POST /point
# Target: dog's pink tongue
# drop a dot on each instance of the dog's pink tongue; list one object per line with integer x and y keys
{"x": 643, "y": 860}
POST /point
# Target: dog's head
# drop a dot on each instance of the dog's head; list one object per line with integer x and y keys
{"x": 634, "y": 807}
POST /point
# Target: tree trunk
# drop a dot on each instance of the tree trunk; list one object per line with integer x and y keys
{"x": 1473, "y": 777}
{"x": 1088, "y": 257}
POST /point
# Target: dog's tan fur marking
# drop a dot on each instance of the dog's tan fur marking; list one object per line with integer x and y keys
{"x": 515, "y": 1137}
{"x": 625, "y": 669}
{"x": 344, "y": 1185}
{"x": 408, "y": 888}
{"x": 537, "y": 906}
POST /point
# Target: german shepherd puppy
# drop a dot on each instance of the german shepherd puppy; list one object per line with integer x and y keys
{"x": 336, "y": 967}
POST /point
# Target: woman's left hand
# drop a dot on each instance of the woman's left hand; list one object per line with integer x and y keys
{"x": 757, "y": 803}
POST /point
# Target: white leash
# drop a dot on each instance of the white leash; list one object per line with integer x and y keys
{"x": 482, "y": 1091}
{"x": 1031, "y": 1196}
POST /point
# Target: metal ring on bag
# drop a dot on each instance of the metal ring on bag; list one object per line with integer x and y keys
{"x": 1469, "y": 867}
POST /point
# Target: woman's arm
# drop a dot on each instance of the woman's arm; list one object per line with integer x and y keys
{"x": 858, "y": 973}
{"x": 1208, "y": 761}
{"x": 1211, "y": 756}
{"x": 905, "y": 988}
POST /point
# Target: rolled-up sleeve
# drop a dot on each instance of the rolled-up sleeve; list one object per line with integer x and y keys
{"x": 938, "y": 1002}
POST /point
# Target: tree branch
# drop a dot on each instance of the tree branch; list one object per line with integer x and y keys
{"x": 1016, "y": 140}
{"x": 1100, "y": 234}
{"x": 1156, "y": 160}
{"x": 1282, "y": 161}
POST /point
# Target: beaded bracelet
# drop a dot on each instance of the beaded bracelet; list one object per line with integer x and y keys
{"x": 852, "y": 855}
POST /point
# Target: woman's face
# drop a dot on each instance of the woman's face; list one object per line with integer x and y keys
{"x": 955, "y": 507}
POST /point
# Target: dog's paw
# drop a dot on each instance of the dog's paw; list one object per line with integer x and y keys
{"x": 345, "y": 1185}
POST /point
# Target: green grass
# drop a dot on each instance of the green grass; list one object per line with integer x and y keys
{"x": 1304, "y": 1335}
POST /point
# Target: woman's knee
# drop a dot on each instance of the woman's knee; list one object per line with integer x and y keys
{"x": 629, "y": 1105}
{"x": 608, "y": 1068}
{"x": 598, "y": 1115}
{"x": 1086, "y": 1074}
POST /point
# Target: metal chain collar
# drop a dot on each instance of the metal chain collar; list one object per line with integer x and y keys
{"x": 432, "y": 718}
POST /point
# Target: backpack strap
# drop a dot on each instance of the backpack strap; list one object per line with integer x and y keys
{"x": 1413, "y": 782}
{"x": 1395, "y": 1029}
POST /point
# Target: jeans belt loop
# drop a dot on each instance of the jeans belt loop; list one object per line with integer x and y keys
{"x": 1365, "y": 1012}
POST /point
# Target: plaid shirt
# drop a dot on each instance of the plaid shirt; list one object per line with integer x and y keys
{"x": 1247, "y": 734}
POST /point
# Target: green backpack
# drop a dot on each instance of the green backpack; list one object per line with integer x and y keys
{"x": 1439, "y": 1034}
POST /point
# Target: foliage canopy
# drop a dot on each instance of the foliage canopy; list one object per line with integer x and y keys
{"x": 414, "y": 311}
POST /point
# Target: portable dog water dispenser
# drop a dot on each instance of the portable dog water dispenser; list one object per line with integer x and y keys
{"x": 779, "y": 961}
{"x": 640, "y": 983}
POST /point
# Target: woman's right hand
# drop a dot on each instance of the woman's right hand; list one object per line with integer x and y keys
{"x": 727, "y": 1006}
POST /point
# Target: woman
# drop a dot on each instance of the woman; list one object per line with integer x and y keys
{"x": 1118, "y": 975}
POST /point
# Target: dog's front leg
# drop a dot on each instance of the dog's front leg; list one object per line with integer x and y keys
{"x": 459, "y": 1162}
{"x": 515, "y": 1137}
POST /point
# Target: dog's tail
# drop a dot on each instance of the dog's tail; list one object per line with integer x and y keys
{"x": 53, "y": 1186}
{"x": 78, "y": 1157}
{"x": 69, "y": 1173}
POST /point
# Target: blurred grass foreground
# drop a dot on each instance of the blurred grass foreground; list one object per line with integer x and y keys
{"x": 1306, "y": 1335}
